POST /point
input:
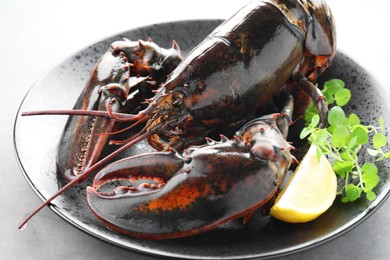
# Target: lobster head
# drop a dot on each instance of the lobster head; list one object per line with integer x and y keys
{"x": 167, "y": 122}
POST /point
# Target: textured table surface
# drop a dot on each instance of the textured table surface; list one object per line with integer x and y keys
{"x": 37, "y": 35}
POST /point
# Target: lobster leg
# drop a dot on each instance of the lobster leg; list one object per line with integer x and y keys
{"x": 304, "y": 92}
{"x": 284, "y": 121}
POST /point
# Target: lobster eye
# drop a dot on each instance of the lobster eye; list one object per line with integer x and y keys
{"x": 177, "y": 98}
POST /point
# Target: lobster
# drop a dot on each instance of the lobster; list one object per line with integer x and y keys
{"x": 266, "y": 49}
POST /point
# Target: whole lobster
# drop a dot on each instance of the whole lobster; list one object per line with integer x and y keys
{"x": 267, "y": 48}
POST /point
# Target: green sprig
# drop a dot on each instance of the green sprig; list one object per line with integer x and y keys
{"x": 342, "y": 141}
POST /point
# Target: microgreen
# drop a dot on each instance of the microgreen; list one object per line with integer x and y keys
{"x": 342, "y": 141}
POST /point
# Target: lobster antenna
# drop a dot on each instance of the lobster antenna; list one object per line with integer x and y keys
{"x": 126, "y": 128}
{"x": 80, "y": 178}
{"x": 81, "y": 112}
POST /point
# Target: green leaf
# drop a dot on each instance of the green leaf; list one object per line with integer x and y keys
{"x": 379, "y": 140}
{"x": 369, "y": 168}
{"x": 331, "y": 129}
{"x": 346, "y": 156}
{"x": 353, "y": 119}
{"x": 370, "y": 181}
{"x": 352, "y": 193}
{"x": 333, "y": 85}
{"x": 336, "y": 116}
{"x": 352, "y": 143}
{"x": 320, "y": 137}
{"x": 387, "y": 155}
{"x": 304, "y": 133}
{"x": 329, "y": 98}
{"x": 342, "y": 167}
{"x": 315, "y": 120}
{"x": 342, "y": 97}
{"x": 361, "y": 133}
{"x": 370, "y": 176}
{"x": 341, "y": 136}
{"x": 370, "y": 195}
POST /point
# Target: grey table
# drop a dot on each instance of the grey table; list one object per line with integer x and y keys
{"x": 37, "y": 35}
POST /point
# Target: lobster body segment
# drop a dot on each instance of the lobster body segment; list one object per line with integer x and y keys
{"x": 172, "y": 195}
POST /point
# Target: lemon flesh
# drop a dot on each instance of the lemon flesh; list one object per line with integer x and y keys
{"x": 310, "y": 191}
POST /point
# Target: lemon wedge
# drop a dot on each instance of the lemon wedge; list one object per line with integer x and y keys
{"x": 309, "y": 192}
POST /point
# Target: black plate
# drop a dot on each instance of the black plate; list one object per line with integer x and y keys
{"x": 36, "y": 140}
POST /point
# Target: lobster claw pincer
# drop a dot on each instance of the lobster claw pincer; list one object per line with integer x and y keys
{"x": 83, "y": 140}
{"x": 172, "y": 195}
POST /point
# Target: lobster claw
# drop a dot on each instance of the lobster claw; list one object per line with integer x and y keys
{"x": 83, "y": 140}
{"x": 124, "y": 208}
{"x": 172, "y": 196}
{"x": 109, "y": 89}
